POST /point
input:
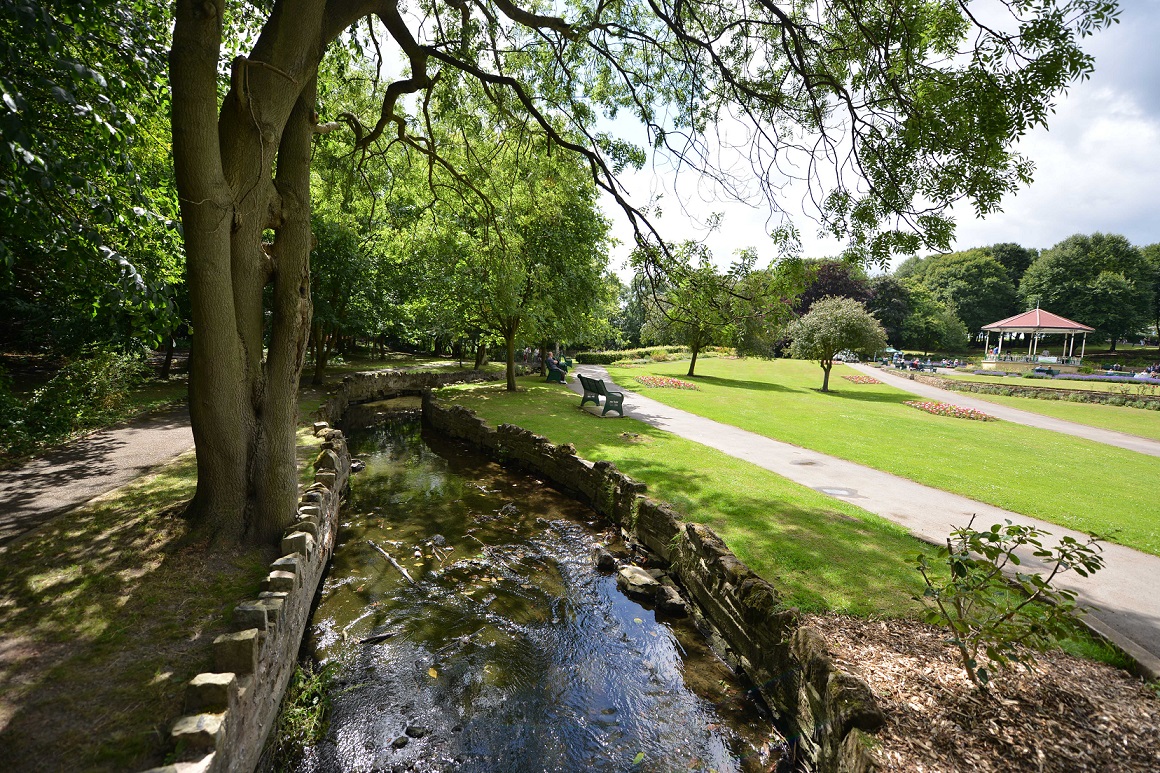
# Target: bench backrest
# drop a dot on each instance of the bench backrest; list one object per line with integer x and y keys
{"x": 592, "y": 384}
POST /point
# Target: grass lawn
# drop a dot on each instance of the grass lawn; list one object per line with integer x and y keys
{"x": 821, "y": 554}
{"x": 1072, "y": 482}
{"x": 1132, "y": 421}
{"x": 107, "y": 612}
{"x": 1055, "y": 383}
{"x": 817, "y": 551}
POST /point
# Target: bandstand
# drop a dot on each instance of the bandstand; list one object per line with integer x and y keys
{"x": 1031, "y": 326}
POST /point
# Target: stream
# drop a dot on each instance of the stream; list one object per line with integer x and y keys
{"x": 509, "y": 651}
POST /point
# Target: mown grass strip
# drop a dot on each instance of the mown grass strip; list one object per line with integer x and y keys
{"x": 1076, "y": 483}
{"x": 1131, "y": 421}
{"x": 822, "y": 555}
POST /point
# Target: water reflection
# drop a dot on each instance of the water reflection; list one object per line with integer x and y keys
{"x": 509, "y": 652}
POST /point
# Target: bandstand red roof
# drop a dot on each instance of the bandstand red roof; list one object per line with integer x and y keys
{"x": 1038, "y": 321}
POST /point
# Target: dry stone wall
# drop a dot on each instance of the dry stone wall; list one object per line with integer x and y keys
{"x": 231, "y": 710}
{"x": 381, "y": 384}
{"x": 830, "y": 712}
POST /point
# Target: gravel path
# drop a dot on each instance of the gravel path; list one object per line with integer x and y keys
{"x": 1014, "y": 415}
{"x": 87, "y": 467}
{"x": 1124, "y": 592}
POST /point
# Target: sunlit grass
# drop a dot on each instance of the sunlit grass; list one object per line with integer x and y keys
{"x": 818, "y": 552}
{"x": 1118, "y": 418}
{"x": 1072, "y": 482}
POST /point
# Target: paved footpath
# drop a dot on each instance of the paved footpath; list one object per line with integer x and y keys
{"x": 1014, "y": 415}
{"x": 1124, "y": 593}
{"x": 88, "y": 467}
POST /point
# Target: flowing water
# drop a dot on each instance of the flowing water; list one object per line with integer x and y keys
{"x": 509, "y": 651}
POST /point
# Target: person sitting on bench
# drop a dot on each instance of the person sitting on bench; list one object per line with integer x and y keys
{"x": 555, "y": 371}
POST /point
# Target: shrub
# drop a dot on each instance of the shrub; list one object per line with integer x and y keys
{"x": 626, "y": 355}
{"x": 988, "y": 617}
{"x": 84, "y": 393}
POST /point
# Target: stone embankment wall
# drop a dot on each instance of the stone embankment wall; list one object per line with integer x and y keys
{"x": 1151, "y": 402}
{"x": 231, "y": 710}
{"x": 381, "y": 384}
{"x": 830, "y": 712}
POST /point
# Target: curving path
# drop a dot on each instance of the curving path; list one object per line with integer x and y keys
{"x": 1014, "y": 415}
{"x": 87, "y": 467}
{"x": 1123, "y": 593}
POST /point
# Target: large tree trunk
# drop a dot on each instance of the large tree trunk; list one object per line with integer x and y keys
{"x": 243, "y": 405}
{"x": 826, "y": 365}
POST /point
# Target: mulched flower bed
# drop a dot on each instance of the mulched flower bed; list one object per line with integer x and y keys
{"x": 862, "y": 379}
{"x": 1067, "y": 715}
{"x": 946, "y": 409}
{"x": 664, "y": 382}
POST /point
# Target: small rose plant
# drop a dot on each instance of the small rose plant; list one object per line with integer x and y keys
{"x": 946, "y": 409}
{"x": 665, "y": 382}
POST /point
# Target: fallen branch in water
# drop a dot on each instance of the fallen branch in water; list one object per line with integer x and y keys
{"x": 379, "y": 637}
{"x": 394, "y": 563}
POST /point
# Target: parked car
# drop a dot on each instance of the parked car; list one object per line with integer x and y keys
{"x": 846, "y": 356}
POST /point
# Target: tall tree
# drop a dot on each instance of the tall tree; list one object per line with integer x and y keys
{"x": 890, "y": 305}
{"x": 972, "y": 282}
{"x": 931, "y": 324}
{"x": 89, "y": 249}
{"x": 832, "y": 279}
{"x": 1151, "y": 254}
{"x": 1099, "y": 280}
{"x": 696, "y": 305}
{"x": 1015, "y": 258}
{"x": 919, "y": 109}
{"x": 835, "y": 324}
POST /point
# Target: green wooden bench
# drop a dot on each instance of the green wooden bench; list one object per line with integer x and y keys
{"x": 555, "y": 376}
{"x": 594, "y": 388}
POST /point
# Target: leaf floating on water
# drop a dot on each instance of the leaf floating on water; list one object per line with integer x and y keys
{"x": 639, "y": 758}
{"x": 431, "y": 672}
{"x": 637, "y": 620}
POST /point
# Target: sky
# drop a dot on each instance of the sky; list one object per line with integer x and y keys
{"x": 1097, "y": 167}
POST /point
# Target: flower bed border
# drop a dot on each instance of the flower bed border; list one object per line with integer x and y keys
{"x": 949, "y": 410}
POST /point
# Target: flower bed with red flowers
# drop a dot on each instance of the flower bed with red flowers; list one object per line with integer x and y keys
{"x": 946, "y": 409}
{"x": 664, "y": 382}
{"x": 862, "y": 379}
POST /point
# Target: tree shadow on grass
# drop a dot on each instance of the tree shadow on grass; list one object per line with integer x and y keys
{"x": 868, "y": 396}
{"x": 734, "y": 383}
{"x": 108, "y": 612}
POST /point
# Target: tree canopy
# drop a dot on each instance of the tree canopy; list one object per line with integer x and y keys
{"x": 832, "y": 325}
{"x": 1099, "y": 280}
{"x": 891, "y": 113}
{"x": 972, "y": 282}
